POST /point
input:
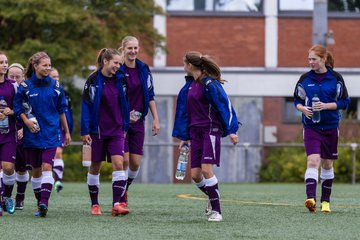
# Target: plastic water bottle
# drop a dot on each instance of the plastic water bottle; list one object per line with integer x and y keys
{"x": 30, "y": 116}
{"x": 86, "y": 155}
{"x": 135, "y": 116}
{"x": 182, "y": 162}
{"x": 4, "y": 124}
{"x": 316, "y": 113}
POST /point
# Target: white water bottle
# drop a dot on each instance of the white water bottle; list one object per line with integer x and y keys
{"x": 316, "y": 113}
{"x": 182, "y": 162}
{"x": 4, "y": 124}
{"x": 86, "y": 155}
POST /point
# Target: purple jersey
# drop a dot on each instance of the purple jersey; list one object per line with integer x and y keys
{"x": 7, "y": 91}
{"x": 201, "y": 113}
{"x": 320, "y": 76}
{"x": 110, "y": 118}
{"x": 134, "y": 90}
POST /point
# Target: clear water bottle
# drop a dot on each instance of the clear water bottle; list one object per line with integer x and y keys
{"x": 28, "y": 111}
{"x": 4, "y": 124}
{"x": 86, "y": 155}
{"x": 135, "y": 116}
{"x": 182, "y": 162}
{"x": 316, "y": 113}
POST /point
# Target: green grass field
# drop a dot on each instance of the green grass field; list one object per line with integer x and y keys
{"x": 250, "y": 211}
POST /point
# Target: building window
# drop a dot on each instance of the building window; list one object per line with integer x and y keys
{"x": 290, "y": 113}
{"x": 308, "y": 5}
{"x": 215, "y": 5}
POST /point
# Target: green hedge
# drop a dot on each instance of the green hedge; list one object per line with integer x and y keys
{"x": 288, "y": 164}
{"x": 75, "y": 172}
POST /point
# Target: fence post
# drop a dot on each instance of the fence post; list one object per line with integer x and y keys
{"x": 246, "y": 149}
{"x": 353, "y": 149}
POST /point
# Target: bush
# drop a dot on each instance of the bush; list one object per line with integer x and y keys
{"x": 75, "y": 172}
{"x": 288, "y": 164}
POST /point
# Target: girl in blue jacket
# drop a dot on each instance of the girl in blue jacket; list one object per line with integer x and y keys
{"x": 320, "y": 137}
{"x": 140, "y": 95}
{"x": 40, "y": 105}
{"x": 204, "y": 114}
{"x": 104, "y": 122}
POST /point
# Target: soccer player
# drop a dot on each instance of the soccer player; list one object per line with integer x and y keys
{"x": 40, "y": 103}
{"x": 58, "y": 167}
{"x": 140, "y": 93}
{"x": 320, "y": 137}
{"x": 104, "y": 122}
{"x": 7, "y": 134}
{"x": 204, "y": 114}
{"x": 16, "y": 72}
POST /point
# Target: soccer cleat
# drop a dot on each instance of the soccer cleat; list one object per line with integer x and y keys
{"x": 215, "y": 217}
{"x": 96, "y": 210}
{"x": 310, "y": 204}
{"x": 37, "y": 213}
{"x": 119, "y": 210}
{"x": 9, "y": 205}
{"x": 43, "y": 210}
{"x": 19, "y": 205}
{"x": 58, "y": 186}
{"x": 325, "y": 207}
{"x": 208, "y": 209}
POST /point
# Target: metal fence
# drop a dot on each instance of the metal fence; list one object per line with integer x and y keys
{"x": 242, "y": 165}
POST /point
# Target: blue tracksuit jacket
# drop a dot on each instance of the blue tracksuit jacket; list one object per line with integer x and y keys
{"x": 218, "y": 99}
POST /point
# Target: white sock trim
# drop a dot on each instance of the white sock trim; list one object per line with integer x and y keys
{"x": 133, "y": 174}
{"x": 118, "y": 176}
{"x": 47, "y": 177}
{"x": 9, "y": 180}
{"x": 58, "y": 162}
{"x": 36, "y": 182}
{"x": 201, "y": 183}
{"x": 211, "y": 181}
{"x": 58, "y": 172}
{"x": 22, "y": 178}
{"x": 327, "y": 174}
{"x": 312, "y": 173}
{"x": 93, "y": 179}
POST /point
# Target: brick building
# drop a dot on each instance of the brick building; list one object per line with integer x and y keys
{"x": 262, "y": 50}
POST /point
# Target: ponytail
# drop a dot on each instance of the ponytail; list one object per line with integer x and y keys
{"x": 105, "y": 53}
{"x": 322, "y": 52}
{"x": 34, "y": 59}
{"x": 205, "y": 63}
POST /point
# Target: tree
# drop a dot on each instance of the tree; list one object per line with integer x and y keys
{"x": 72, "y": 31}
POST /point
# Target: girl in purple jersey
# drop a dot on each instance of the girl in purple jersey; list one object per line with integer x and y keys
{"x": 204, "y": 114}
{"x": 140, "y": 94}
{"x": 320, "y": 137}
{"x": 16, "y": 72}
{"x": 104, "y": 122}
{"x": 7, "y": 134}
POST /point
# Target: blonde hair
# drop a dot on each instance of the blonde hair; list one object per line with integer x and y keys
{"x": 16, "y": 65}
{"x": 126, "y": 40}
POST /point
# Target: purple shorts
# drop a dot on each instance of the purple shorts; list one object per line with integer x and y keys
{"x": 36, "y": 157}
{"x": 105, "y": 148}
{"x": 134, "y": 141}
{"x": 8, "y": 152}
{"x": 20, "y": 162}
{"x": 323, "y": 142}
{"x": 205, "y": 147}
